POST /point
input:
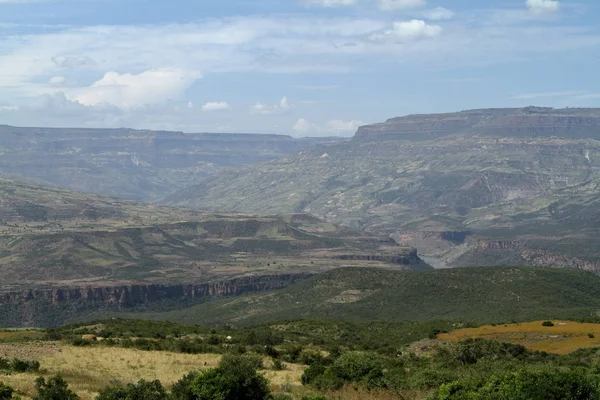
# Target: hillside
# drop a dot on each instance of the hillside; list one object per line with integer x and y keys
{"x": 474, "y": 295}
{"x": 459, "y": 186}
{"x": 133, "y": 164}
{"x": 65, "y": 253}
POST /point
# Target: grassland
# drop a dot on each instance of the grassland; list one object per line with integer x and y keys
{"x": 563, "y": 338}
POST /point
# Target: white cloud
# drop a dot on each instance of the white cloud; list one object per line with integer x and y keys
{"x": 389, "y": 5}
{"x": 566, "y": 93}
{"x": 339, "y": 126}
{"x": 57, "y": 81}
{"x": 543, "y": 6}
{"x": 131, "y": 90}
{"x": 408, "y": 31}
{"x": 439, "y": 13}
{"x": 216, "y": 106}
{"x": 335, "y": 127}
{"x": 268, "y": 109}
{"x": 329, "y": 3}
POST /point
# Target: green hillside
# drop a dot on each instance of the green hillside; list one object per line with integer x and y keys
{"x": 477, "y": 295}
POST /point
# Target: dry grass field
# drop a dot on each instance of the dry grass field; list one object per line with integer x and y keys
{"x": 89, "y": 369}
{"x": 562, "y": 338}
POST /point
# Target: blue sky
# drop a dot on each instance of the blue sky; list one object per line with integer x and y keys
{"x": 299, "y": 67}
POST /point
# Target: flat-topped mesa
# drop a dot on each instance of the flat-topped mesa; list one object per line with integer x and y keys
{"x": 573, "y": 123}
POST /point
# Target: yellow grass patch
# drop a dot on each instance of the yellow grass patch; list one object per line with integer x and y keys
{"x": 19, "y": 334}
{"x": 562, "y": 338}
{"x": 89, "y": 369}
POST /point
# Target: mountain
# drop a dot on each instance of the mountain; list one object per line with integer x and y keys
{"x": 133, "y": 164}
{"x": 64, "y": 254}
{"x": 474, "y": 295}
{"x": 480, "y": 187}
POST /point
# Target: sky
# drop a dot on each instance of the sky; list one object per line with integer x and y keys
{"x": 298, "y": 67}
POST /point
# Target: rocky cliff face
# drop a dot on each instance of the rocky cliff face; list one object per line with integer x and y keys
{"x": 525, "y": 122}
{"x": 56, "y": 306}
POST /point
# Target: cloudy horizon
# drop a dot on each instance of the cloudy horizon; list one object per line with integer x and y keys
{"x": 300, "y": 67}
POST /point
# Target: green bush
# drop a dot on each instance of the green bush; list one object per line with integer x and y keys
{"x": 314, "y": 398}
{"x": 236, "y": 378}
{"x": 6, "y": 392}
{"x": 81, "y": 342}
{"x": 523, "y": 385}
{"x": 547, "y": 323}
{"x": 54, "y": 389}
{"x": 22, "y": 366}
{"x": 142, "y": 390}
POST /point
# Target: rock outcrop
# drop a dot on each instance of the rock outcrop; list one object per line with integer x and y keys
{"x": 56, "y": 306}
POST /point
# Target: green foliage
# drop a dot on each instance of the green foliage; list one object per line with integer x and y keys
{"x": 19, "y": 366}
{"x": 235, "y": 378}
{"x": 544, "y": 384}
{"x": 54, "y": 389}
{"x": 6, "y": 392}
{"x": 547, "y": 323}
{"x": 81, "y": 342}
{"x": 142, "y": 390}
{"x": 460, "y": 294}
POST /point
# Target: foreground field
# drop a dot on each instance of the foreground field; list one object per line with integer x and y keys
{"x": 563, "y": 338}
{"x": 89, "y": 369}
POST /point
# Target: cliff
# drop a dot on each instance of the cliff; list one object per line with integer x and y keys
{"x": 56, "y": 306}
{"x": 530, "y": 122}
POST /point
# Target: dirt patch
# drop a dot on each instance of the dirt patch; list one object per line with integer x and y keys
{"x": 29, "y": 351}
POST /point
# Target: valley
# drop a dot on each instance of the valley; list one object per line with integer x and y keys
{"x": 479, "y": 187}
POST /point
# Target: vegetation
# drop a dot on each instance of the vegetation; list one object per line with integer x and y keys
{"x": 54, "y": 389}
{"x": 468, "y": 295}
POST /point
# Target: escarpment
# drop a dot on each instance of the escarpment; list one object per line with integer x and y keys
{"x": 47, "y": 307}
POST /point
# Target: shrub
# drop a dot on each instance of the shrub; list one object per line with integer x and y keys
{"x": 547, "y": 323}
{"x": 591, "y": 335}
{"x": 6, "y": 392}
{"x": 236, "y": 378}
{"x": 54, "y": 389}
{"x": 278, "y": 365}
{"x": 319, "y": 397}
{"x": 523, "y": 385}
{"x": 21, "y": 366}
{"x": 281, "y": 397}
{"x": 140, "y": 391}
{"x": 81, "y": 342}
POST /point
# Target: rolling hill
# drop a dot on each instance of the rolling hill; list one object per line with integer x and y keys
{"x": 479, "y": 187}
{"x": 471, "y": 295}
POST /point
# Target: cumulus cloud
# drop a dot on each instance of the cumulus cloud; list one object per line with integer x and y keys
{"x": 216, "y": 106}
{"x": 408, "y": 31}
{"x": 268, "y": 109}
{"x": 329, "y": 3}
{"x": 543, "y": 6}
{"x": 439, "y": 13}
{"x": 389, "y": 5}
{"x": 134, "y": 90}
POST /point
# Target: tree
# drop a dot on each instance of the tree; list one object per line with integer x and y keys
{"x": 236, "y": 378}
{"x": 55, "y": 389}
